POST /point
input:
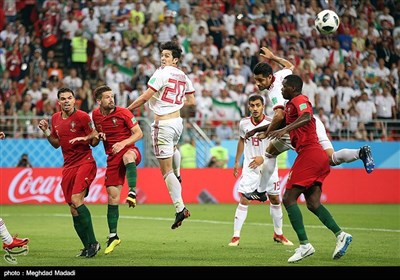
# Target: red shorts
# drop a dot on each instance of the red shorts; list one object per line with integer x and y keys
{"x": 310, "y": 166}
{"x": 78, "y": 178}
{"x": 116, "y": 171}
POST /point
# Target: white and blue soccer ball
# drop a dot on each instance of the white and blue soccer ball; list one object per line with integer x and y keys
{"x": 327, "y": 22}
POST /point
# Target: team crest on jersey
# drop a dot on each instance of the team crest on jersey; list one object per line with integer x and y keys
{"x": 72, "y": 129}
{"x": 134, "y": 120}
{"x": 114, "y": 120}
{"x": 274, "y": 100}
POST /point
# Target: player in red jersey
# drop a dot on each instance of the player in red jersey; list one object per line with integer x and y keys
{"x": 308, "y": 171}
{"x": 79, "y": 165}
{"x": 119, "y": 130}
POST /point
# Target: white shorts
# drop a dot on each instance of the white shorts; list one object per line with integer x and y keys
{"x": 252, "y": 178}
{"x": 323, "y": 138}
{"x": 165, "y": 136}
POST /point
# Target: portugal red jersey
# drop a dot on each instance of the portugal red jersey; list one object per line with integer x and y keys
{"x": 117, "y": 126}
{"x": 78, "y": 124}
{"x": 305, "y": 135}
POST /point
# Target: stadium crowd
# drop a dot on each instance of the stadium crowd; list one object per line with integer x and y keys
{"x": 351, "y": 77}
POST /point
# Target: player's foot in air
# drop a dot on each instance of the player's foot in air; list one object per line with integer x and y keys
{"x": 255, "y": 195}
{"x": 234, "y": 241}
{"x": 131, "y": 199}
{"x": 93, "y": 249}
{"x": 179, "y": 217}
{"x": 342, "y": 244}
{"x": 366, "y": 156}
{"x": 302, "y": 252}
{"x": 282, "y": 239}
{"x": 112, "y": 242}
{"x": 17, "y": 242}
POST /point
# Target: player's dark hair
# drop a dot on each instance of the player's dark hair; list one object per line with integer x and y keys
{"x": 294, "y": 81}
{"x": 262, "y": 68}
{"x": 175, "y": 49}
{"x": 98, "y": 92}
{"x": 62, "y": 90}
{"x": 256, "y": 97}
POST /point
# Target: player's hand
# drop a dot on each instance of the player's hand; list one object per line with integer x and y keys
{"x": 77, "y": 139}
{"x": 266, "y": 53}
{"x": 277, "y": 134}
{"x": 249, "y": 134}
{"x": 43, "y": 125}
{"x": 235, "y": 171}
{"x": 101, "y": 136}
{"x": 256, "y": 162}
{"x": 2, "y": 135}
{"x": 261, "y": 135}
{"x": 117, "y": 147}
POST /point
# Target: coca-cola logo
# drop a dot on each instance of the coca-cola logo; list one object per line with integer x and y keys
{"x": 26, "y": 187}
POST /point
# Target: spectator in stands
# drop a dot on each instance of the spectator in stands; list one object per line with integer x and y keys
{"x": 367, "y": 113}
{"x": 219, "y": 155}
{"x": 325, "y": 95}
{"x": 188, "y": 153}
{"x": 224, "y": 131}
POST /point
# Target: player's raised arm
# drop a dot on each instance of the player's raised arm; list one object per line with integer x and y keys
{"x": 266, "y": 53}
{"x": 141, "y": 99}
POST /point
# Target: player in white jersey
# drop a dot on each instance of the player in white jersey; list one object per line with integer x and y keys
{"x": 169, "y": 89}
{"x": 267, "y": 80}
{"x": 252, "y": 172}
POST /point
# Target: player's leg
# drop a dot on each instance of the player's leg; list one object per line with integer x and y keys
{"x": 275, "y": 208}
{"x": 165, "y": 135}
{"x": 176, "y": 163}
{"x": 131, "y": 159}
{"x": 10, "y": 242}
{"x": 114, "y": 194}
{"x": 85, "y": 175}
{"x": 343, "y": 239}
{"x": 275, "y": 147}
{"x": 249, "y": 181}
{"x": 344, "y": 155}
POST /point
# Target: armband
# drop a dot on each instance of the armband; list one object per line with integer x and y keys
{"x": 47, "y": 132}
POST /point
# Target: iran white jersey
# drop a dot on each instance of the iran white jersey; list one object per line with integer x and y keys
{"x": 275, "y": 90}
{"x": 253, "y": 146}
{"x": 171, "y": 85}
{"x": 252, "y": 178}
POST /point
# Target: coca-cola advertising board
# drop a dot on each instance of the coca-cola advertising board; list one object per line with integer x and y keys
{"x": 207, "y": 185}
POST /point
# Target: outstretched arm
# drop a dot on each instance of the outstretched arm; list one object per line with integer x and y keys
{"x": 266, "y": 53}
{"x": 304, "y": 119}
{"x": 141, "y": 99}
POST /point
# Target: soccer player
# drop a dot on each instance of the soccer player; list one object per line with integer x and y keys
{"x": 308, "y": 171}
{"x": 79, "y": 165}
{"x": 119, "y": 130}
{"x": 252, "y": 173}
{"x": 169, "y": 89}
{"x": 267, "y": 80}
{"x": 9, "y": 242}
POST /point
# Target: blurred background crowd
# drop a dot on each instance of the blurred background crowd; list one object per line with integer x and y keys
{"x": 351, "y": 77}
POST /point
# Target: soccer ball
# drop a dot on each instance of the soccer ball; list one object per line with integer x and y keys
{"x": 327, "y": 22}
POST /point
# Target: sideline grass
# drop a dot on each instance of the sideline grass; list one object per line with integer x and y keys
{"x": 147, "y": 239}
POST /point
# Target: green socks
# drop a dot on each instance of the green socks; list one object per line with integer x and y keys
{"x": 86, "y": 223}
{"x": 296, "y": 219}
{"x": 112, "y": 217}
{"x": 131, "y": 175}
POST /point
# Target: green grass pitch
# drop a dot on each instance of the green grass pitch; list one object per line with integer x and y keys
{"x": 202, "y": 240}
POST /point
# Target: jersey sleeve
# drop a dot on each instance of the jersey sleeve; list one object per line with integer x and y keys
{"x": 189, "y": 86}
{"x": 129, "y": 118}
{"x": 275, "y": 94}
{"x": 156, "y": 80}
{"x": 87, "y": 123}
{"x": 302, "y": 105}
